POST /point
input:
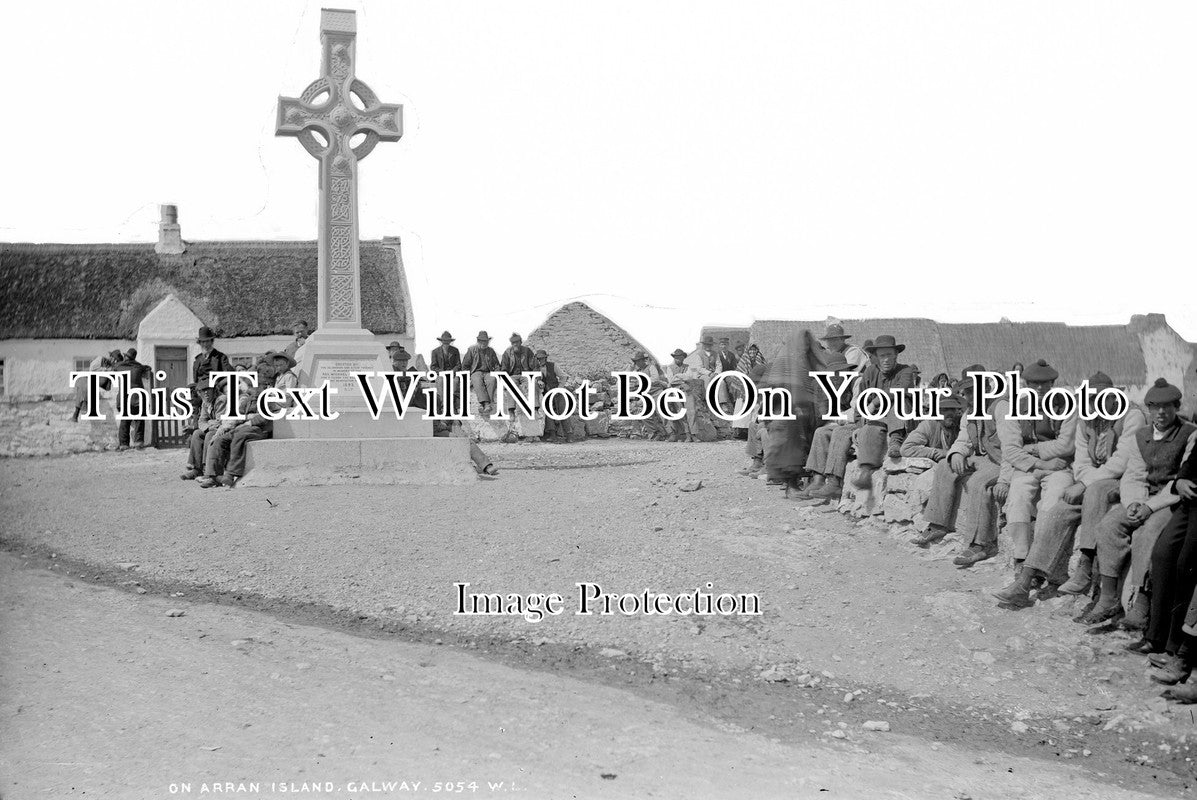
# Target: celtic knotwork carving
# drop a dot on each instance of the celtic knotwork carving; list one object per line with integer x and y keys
{"x": 340, "y": 247}
{"x": 340, "y": 296}
{"x": 339, "y": 64}
{"x": 339, "y": 199}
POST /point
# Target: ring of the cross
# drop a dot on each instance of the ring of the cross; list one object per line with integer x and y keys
{"x": 315, "y": 89}
{"x": 369, "y": 101}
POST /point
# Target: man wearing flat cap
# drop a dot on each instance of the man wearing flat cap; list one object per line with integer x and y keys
{"x": 480, "y": 360}
{"x": 1036, "y": 455}
{"x": 836, "y": 341}
{"x": 692, "y": 380}
{"x": 965, "y": 479}
{"x": 516, "y": 359}
{"x": 872, "y": 439}
{"x": 1100, "y": 458}
{"x": 1128, "y": 532}
{"x": 1171, "y": 637}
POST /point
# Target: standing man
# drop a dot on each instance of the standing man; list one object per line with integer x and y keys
{"x": 692, "y": 382}
{"x": 136, "y": 373}
{"x": 709, "y": 360}
{"x": 480, "y": 361}
{"x": 301, "y": 332}
{"x": 836, "y": 341}
{"x": 549, "y": 380}
{"x": 725, "y": 361}
{"x": 208, "y": 360}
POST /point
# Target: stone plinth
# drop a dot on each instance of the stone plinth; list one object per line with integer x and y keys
{"x": 331, "y": 462}
{"x": 357, "y": 425}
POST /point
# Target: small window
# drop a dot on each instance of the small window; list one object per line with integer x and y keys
{"x": 82, "y": 363}
{"x": 246, "y": 361}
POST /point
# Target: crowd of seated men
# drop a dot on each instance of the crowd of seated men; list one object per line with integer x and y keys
{"x": 1115, "y": 501}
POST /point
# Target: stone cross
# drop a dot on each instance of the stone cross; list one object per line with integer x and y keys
{"x": 327, "y": 122}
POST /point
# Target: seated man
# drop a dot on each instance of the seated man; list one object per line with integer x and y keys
{"x": 818, "y": 428}
{"x": 873, "y": 440}
{"x": 1100, "y": 459}
{"x": 966, "y": 478}
{"x": 219, "y": 441}
{"x": 756, "y": 442}
{"x": 692, "y": 381}
{"x": 208, "y": 423}
{"x": 1128, "y": 532}
{"x": 256, "y": 426}
{"x": 517, "y": 359}
{"x": 480, "y": 360}
{"x": 936, "y": 439}
{"x": 1035, "y": 458}
{"x": 1174, "y": 587}
{"x": 656, "y": 425}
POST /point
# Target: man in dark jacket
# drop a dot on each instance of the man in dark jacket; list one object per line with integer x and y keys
{"x": 553, "y": 430}
{"x": 445, "y": 358}
{"x": 480, "y": 361}
{"x": 207, "y": 361}
{"x": 136, "y": 373}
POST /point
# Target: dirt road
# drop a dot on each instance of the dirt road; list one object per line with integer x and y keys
{"x": 857, "y": 627}
{"x": 105, "y": 694}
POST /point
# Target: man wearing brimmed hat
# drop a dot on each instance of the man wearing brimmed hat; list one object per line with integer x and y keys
{"x": 1036, "y": 455}
{"x": 549, "y": 379}
{"x": 131, "y": 433}
{"x": 1127, "y": 534}
{"x": 708, "y": 359}
{"x": 400, "y": 362}
{"x": 480, "y": 360}
{"x": 218, "y": 442}
{"x": 655, "y": 427}
{"x": 964, "y": 480}
{"x": 207, "y": 361}
{"x": 872, "y": 439}
{"x": 517, "y": 358}
{"x": 1101, "y": 452}
{"x": 445, "y": 358}
{"x": 725, "y": 361}
{"x": 692, "y": 380}
{"x": 836, "y": 341}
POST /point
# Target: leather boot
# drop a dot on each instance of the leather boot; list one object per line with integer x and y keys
{"x": 1136, "y": 617}
{"x": 933, "y": 534}
{"x": 864, "y": 478}
{"x": 1018, "y": 593}
{"x": 1080, "y": 580}
{"x": 831, "y": 490}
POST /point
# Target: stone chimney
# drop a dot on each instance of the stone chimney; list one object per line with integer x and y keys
{"x": 170, "y": 236}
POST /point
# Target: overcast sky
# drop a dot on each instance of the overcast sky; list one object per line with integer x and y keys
{"x": 671, "y": 163}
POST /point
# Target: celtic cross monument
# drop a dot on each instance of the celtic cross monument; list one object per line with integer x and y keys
{"x": 339, "y": 120}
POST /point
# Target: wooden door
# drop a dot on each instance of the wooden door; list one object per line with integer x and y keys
{"x": 172, "y": 361}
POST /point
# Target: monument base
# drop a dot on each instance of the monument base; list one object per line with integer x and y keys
{"x": 338, "y": 462}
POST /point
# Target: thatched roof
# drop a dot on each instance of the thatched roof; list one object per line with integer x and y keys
{"x": 585, "y": 343}
{"x": 1075, "y": 351}
{"x": 102, "y": 291}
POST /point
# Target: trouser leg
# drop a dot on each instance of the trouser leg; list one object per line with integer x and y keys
{"x": 217, "y": 453}
{"x": 481, "y": 462}
{"x": 945, "y": 494}
{"x": 820, "y": 446}
{"x": 1114, "y": 542}
{"x": 1143, "y": 542}
{"x": 976, "y": 494}
{"x": 195, "y": 450}
{"x": 872, "y": 443}
{"x": 1052, "y": 543}
{"x": 1094, "y": 507}
{"x": 238, "y": 449}
{"x": 1169, "y": 597}
{"x": 838, "y": 450}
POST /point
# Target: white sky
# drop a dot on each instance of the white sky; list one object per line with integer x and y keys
{"x": 670, "y": 163}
